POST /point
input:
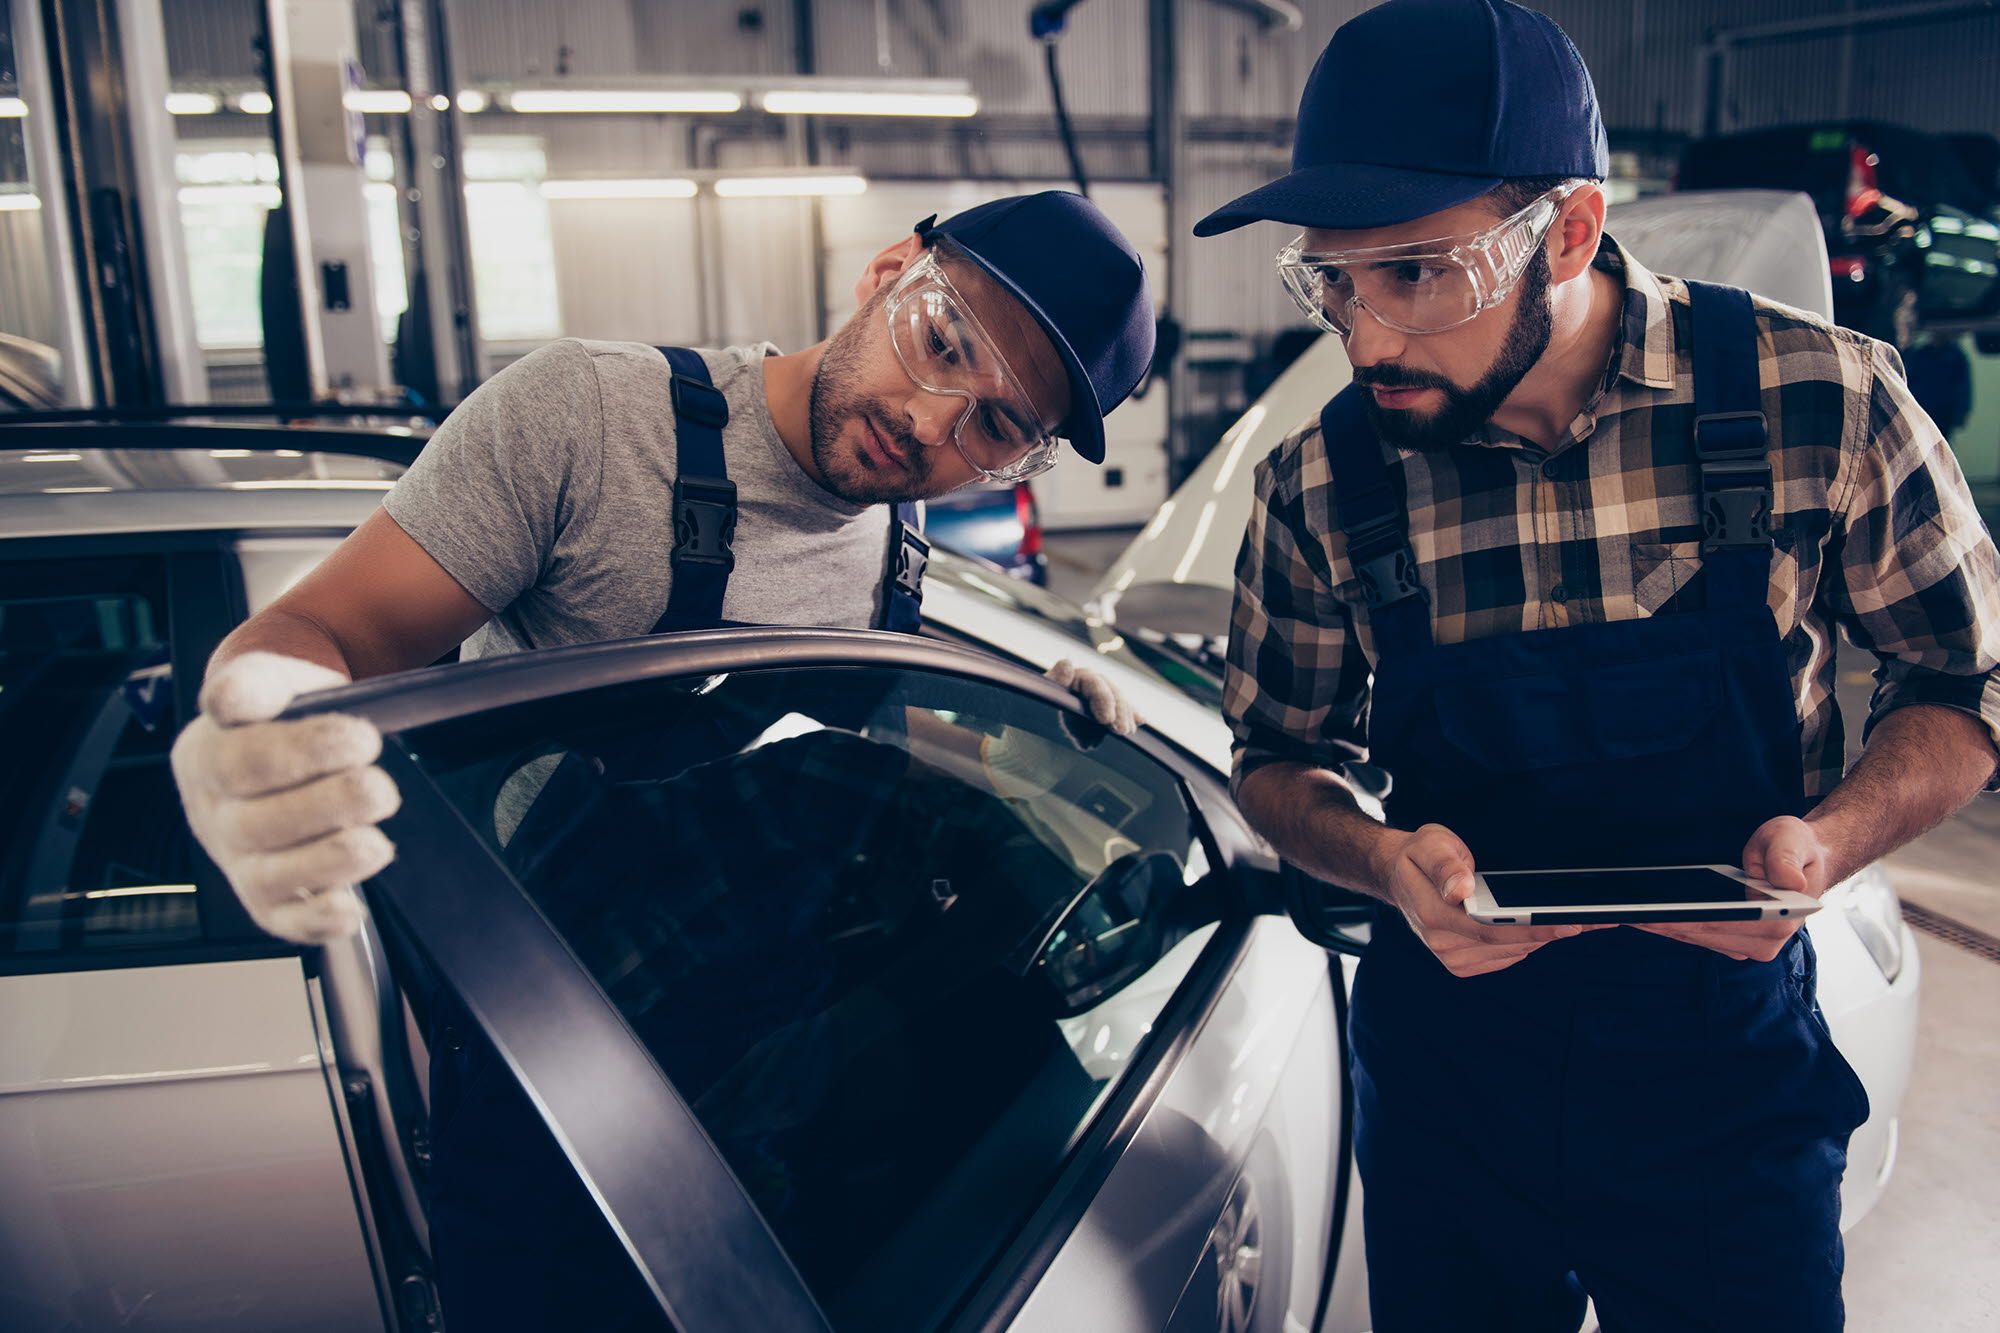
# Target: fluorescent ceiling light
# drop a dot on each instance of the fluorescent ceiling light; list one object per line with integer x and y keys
{"x": 12, "y": 108}
{"x": 51, "y": 458}
{"x": 777, "y": 187}
{"x": 664, "y": 188}
{"x": 439, "y": 102}
{"x": 228, "y": 453}
{"x": 254, "y": 104}
{"x": 313, "y": 484}
{"x": 19, "y": 203}
{"x": 378, "y": 101}
{"x": 267, "y": 195}
{"x": 193, "y": 104}
{"x": 662, "y": 102}
{"x": 76, "y": 490}
{"x": 471, "y": 99}
{"x": 811, "y": 102}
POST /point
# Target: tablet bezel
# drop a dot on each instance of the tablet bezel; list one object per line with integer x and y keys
{"x": 1482, "y": 907}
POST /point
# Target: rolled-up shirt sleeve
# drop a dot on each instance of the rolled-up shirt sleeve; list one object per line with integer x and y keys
{"x": 1918, "y": 580}
{"x": 1295, "y": 685}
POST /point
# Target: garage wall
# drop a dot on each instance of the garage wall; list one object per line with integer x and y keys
{"x": 627, "y": 269}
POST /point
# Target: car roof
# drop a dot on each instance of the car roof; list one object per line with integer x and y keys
{"x": 72, "y": 492}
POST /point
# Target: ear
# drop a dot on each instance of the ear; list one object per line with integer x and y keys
{"x": 886, "y": 267}
{"x": 1577, "y": 230}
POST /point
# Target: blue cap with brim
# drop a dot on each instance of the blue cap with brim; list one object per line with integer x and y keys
{"x": 1081, "y": 281}
{"x": 1417, "y": 106}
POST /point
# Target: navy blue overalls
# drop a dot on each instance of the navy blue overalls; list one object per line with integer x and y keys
{"x": 516, "y": 1240}
{"x": 1619, "y": 1113}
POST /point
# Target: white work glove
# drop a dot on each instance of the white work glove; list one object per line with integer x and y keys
{"x": 1100, "y": 698}
{"x": 287, "y": 809}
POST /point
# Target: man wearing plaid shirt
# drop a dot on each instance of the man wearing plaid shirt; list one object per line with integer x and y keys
{"x": 1567, "y": 560}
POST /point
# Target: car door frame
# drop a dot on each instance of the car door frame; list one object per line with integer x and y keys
{"x": 716, "y": 1264}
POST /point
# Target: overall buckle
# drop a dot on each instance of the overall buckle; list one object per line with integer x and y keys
{"x": 701, "y": 403}
{"x": 705, "y": 521}
{"x": 913, "y": 552}
{"x": 1736, "y": 519}
{"x": 1734, "y": 435}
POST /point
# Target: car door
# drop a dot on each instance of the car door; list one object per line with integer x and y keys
{"x": 174, "y": 1151}
{"x": 866, "y": 984}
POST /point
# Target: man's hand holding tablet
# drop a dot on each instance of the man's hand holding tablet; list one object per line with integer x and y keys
{"x": 1786, "y": 853}
{"x": 1429, "y": 875}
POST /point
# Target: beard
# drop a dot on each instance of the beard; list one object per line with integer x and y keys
{"x": 1465, "y": 410}
{"x": 839, "y": 399}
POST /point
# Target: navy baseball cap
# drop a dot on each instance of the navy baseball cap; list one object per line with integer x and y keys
{"x": 1083, "y": 283}
{"x": 1419, "y": 105}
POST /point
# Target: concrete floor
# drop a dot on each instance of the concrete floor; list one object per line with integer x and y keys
{"x": 1924, "y": 1260}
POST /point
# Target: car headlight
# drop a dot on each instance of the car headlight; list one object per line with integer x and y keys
{"x": 1876, "y": 914}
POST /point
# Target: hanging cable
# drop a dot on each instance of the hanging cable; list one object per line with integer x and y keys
{"x": 1045, "y": 23}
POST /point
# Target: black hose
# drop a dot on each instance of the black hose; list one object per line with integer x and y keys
{"x": 1062, "y": 117}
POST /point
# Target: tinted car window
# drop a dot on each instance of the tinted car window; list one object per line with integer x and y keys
{"x": 95, "y": 853}
{"x": 892, "y": 936}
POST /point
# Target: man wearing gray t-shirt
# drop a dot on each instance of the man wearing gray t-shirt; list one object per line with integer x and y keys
{"x": 543, "y": 512}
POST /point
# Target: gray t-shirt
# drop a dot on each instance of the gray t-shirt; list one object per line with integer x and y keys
{"x": 548, "y": 494}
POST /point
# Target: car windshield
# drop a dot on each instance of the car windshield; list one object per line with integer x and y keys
{"x": 1143, "y": 650}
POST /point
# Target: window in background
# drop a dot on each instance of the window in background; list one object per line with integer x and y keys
{"x": 513, "y": 249}
{"x": 31, "y": 370}
{"x": 385, "y": 238}
{"x": 226, "y": 188}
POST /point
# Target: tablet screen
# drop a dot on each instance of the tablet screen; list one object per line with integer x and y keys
{"x": 1601, "y": 888}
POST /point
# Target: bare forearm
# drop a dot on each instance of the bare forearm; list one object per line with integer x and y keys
{"x": 1922, "y": 763}
{"x": 1311, "y": 817}
{"x": 287, "y": 633}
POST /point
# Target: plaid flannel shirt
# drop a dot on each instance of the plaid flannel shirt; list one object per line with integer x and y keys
{"x": 1876, "y": 533}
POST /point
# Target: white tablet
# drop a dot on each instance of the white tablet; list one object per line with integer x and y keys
{"x": 1647, "y": 893}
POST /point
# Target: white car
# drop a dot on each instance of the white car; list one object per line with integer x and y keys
{"x": 1177, "y": 578}
{"x": 1089, "y": 1076}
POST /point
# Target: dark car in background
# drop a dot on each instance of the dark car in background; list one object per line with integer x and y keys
{"x": 998, "y": 524}
{"x": 1912, "y": 221}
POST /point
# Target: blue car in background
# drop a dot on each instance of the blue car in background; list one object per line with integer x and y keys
{"x": 998, "y": 524}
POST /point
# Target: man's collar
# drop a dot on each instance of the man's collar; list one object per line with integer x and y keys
{"x": 1645, "y": 350}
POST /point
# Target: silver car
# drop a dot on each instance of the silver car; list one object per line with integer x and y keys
{"x": 902, "y": 997}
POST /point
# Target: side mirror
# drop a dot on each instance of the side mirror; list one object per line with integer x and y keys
{"x": 1334, "y": 918}
{"x": 1106, "y": 936}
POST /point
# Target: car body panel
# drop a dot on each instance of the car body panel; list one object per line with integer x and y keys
{"x": 1251, "y": 1095}
{"x": 172, "y": 1155}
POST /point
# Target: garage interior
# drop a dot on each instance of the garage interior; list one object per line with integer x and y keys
{"x": 179, "y": 242}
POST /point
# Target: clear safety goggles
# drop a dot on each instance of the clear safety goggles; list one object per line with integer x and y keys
{"x": 1421, "y": 286}
{"x": 945, "y": 351}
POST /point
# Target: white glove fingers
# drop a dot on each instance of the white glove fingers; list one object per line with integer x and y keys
{"x": 1063, "y": 673}
{"x": 267, "y": 880}
{"x": 256, "y": 687}
{"x": 352, "y": 798}
{"x": 274, "y": 756}
{"x": 330, "y": 915}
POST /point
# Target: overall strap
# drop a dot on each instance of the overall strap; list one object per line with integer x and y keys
{"x": 704, "y": 498}
{"x": 903, "y": 578}
{"x": 1371, "y": 513}
{"x": 1731, "y": 440}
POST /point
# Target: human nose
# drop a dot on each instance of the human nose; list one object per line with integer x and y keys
{"x": 1369, "y": 341}
{"x": 933, "y": 415}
